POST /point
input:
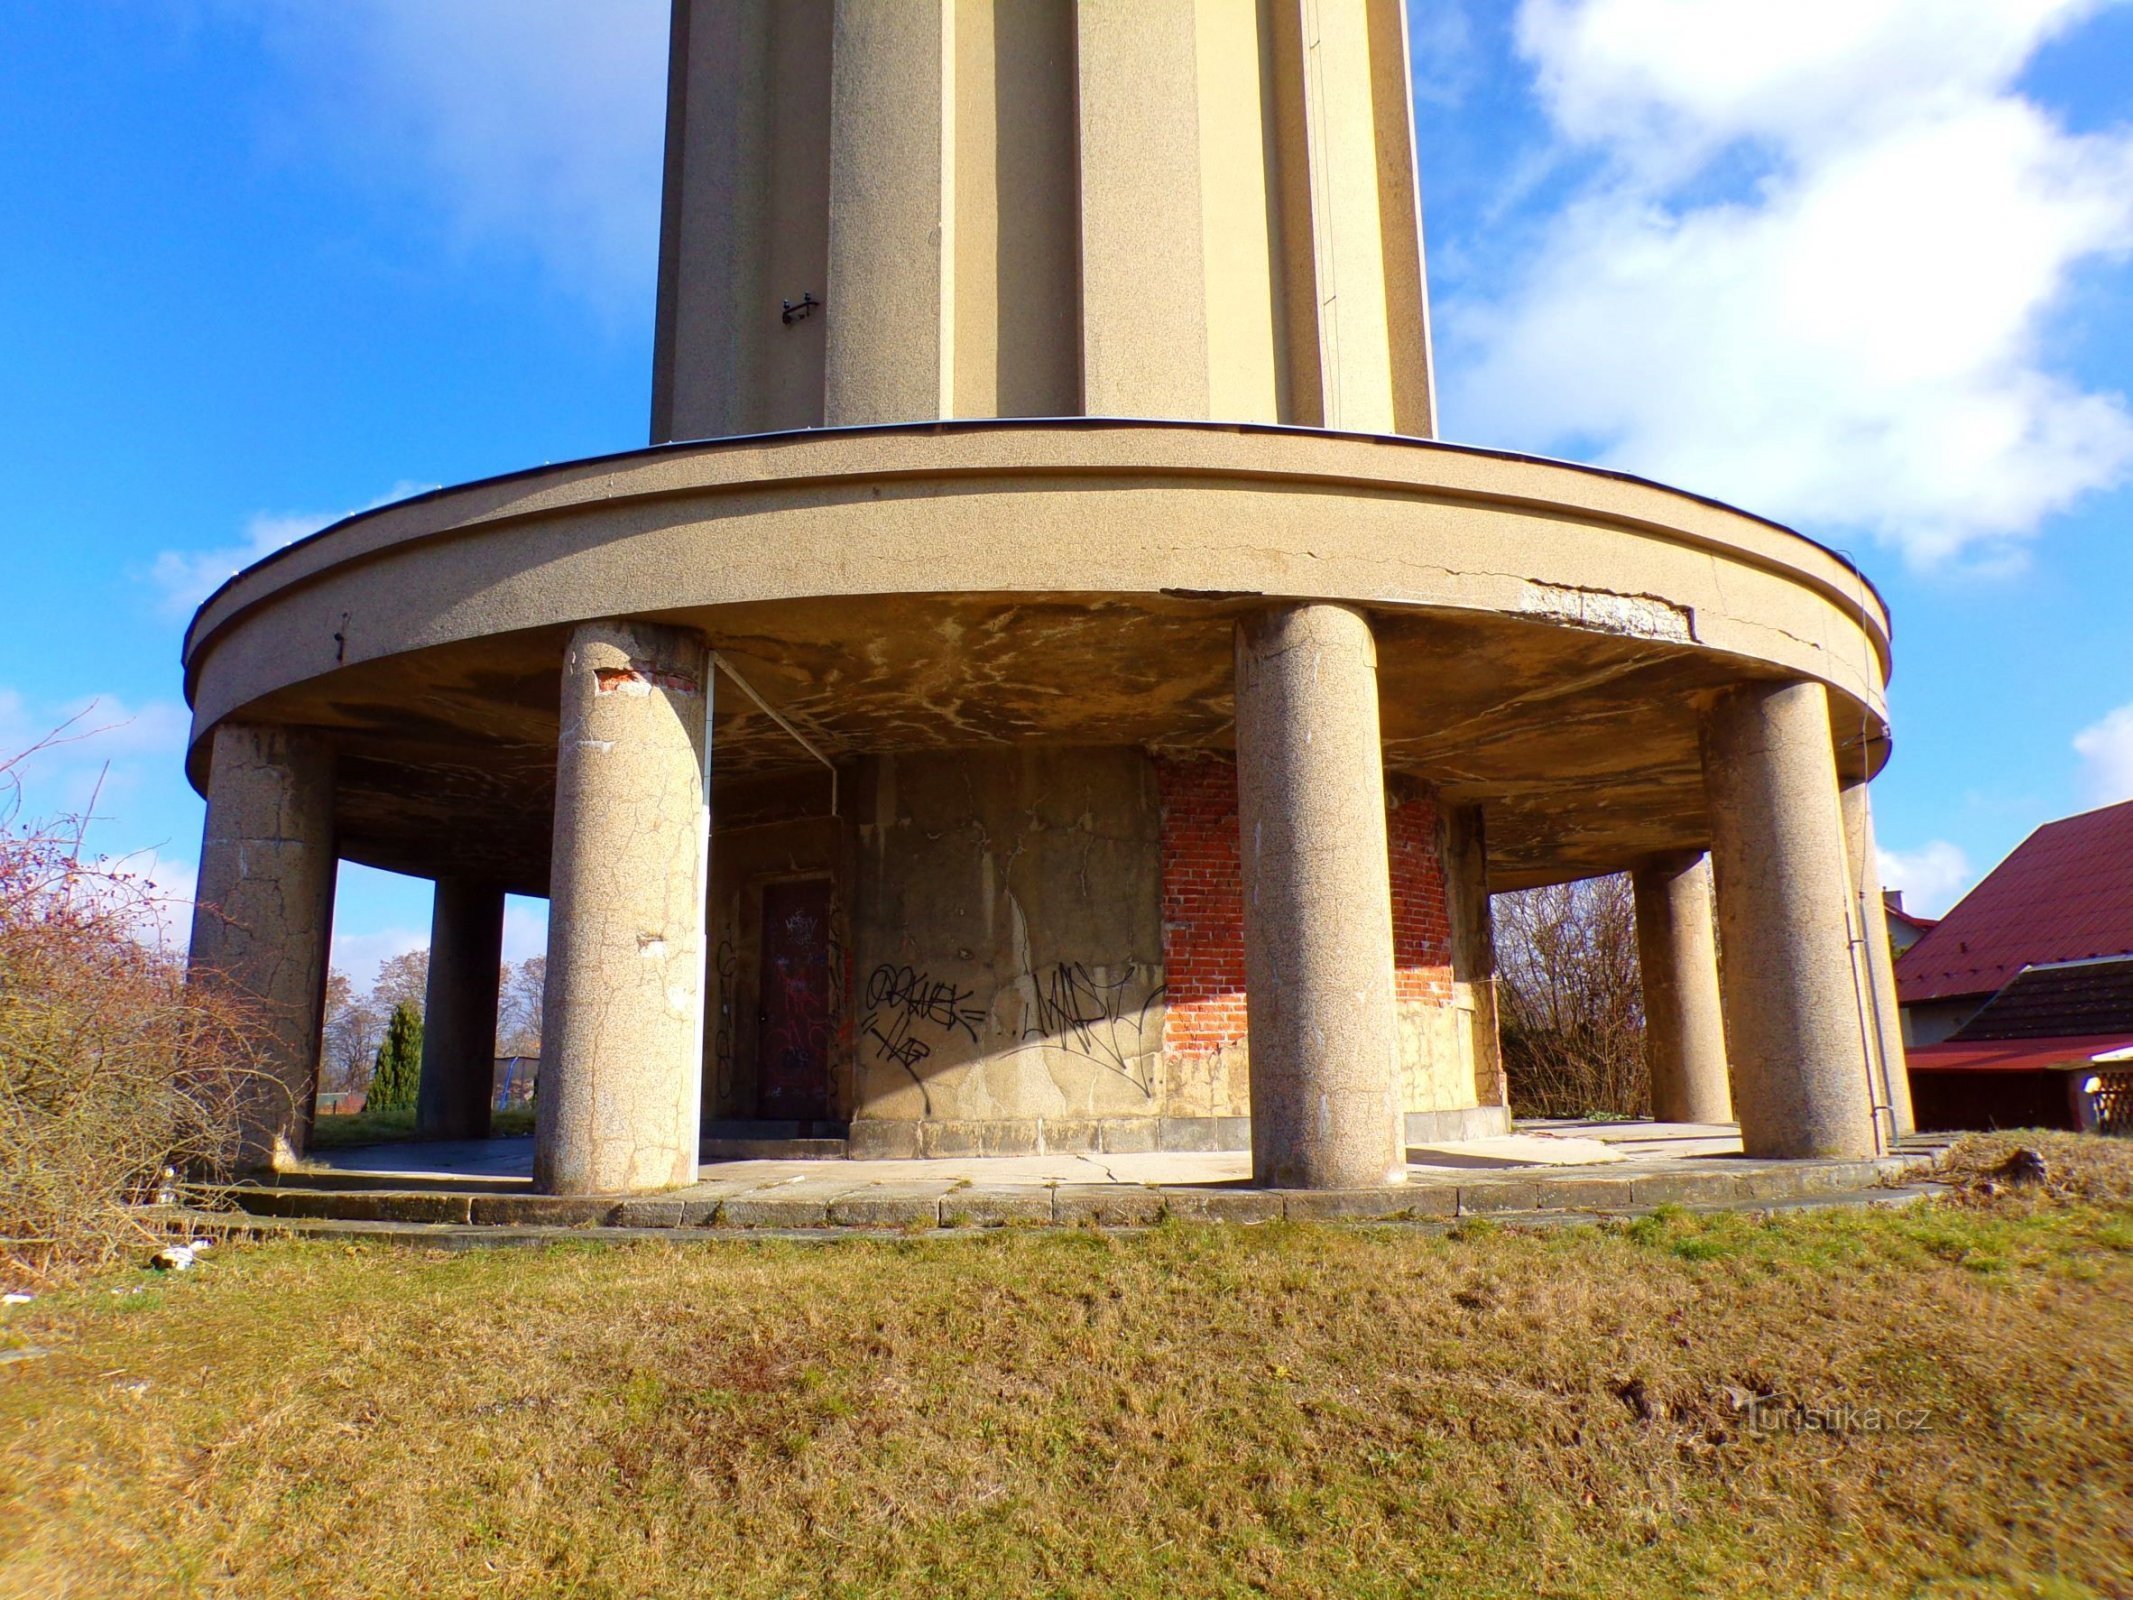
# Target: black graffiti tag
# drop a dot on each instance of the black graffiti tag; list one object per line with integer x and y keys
{"x": 899, "y": 1002}
{"x": 1086, "y": 1013}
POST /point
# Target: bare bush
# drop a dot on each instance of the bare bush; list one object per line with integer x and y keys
{"x": 355, "y": 1027}
{"x": 1571, "y": 1005}
{"x": 111, "y": 1068}
{"x": 518, "y": 1027}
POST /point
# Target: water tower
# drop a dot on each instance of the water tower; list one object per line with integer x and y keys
{"x": 1044, "y": 687}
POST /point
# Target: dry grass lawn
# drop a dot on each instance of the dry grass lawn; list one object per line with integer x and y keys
{"x": 1191, "y": 1410}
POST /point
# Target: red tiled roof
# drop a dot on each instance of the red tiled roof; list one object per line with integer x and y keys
{"x": 2066, "y": 894}
{"x": 2014, "y": 1055}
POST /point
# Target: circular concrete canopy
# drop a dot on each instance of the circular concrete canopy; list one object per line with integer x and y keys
{"x": 1547, "y": 633}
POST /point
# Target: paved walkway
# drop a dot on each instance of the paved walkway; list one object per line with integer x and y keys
{"x": 1534, "y": 1145}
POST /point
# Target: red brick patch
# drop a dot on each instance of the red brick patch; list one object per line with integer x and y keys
{"x": 1203, "y": 904}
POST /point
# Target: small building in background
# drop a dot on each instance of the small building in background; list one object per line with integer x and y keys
{"x": 2018, "y": 1005}
{"x": 1905, "y": 928}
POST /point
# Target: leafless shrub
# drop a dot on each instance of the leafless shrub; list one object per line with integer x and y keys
{"x": 1571, "y": 1006}
{"x": 111, "y": 1068}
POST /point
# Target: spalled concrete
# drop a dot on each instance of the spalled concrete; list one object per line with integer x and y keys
{"x": 622, "y": 1016}
{"x": 1677, "y": 954}
{"x": 459, "y": 1013}
{"x": 261, "y": 918}
{"x": 1794, "y": 1032}
{"x": 1325, "y": 1053}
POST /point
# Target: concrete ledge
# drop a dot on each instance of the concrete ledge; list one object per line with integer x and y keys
{"x": 1364, "y": 1205}
{"x": 834, "y": 1200}
{"x": 995, "y": 1206}
{"x": 1223, "y": 1205}
{"x": 1448, "y": 1127}
{"x": 884, "y": 1139}
{"x": 461, "y": 1236}
{"x": 771, "y": 1211}
{"x": 889, "y": 1206}
{"x": 881, "y": 1139}
{"x": 1498, "y": 1195}
{"x": 1107, "y": 1205}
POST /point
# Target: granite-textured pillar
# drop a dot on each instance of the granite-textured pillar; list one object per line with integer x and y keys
{"x": 263, "y": 919}
{"x": 1324, "y": 1044}
{"x": 1880, "y": 959}
{"x": 619, "y": 1103}
{"x": 1794, "y": 1033}
{"x": 1684, "y": 1023}
{"x": 459, "y": 1010}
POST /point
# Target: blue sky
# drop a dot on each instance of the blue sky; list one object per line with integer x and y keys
{"x": 1861, "y": 265}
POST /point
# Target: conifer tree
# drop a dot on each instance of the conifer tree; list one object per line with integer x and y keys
{"x": 398, "y": 1072}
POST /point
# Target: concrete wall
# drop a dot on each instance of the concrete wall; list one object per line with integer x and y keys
{"x": 1042, "y": 949}
{"x": 1008, "y": 945}
{"x": 1205, "y": 1052}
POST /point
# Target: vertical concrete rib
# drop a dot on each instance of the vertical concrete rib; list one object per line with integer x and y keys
{"x": 264, "y": 916}
{"x": 1677, "y": 953}
{"x": 1324, "y": 1044}
{"x": 1793, "y": 1023}
{"x": 1144, "y": 311}
{"x": 621, "y": 1042}
{"x": 459, "y": 1011}
{"x": 890, "y": 317}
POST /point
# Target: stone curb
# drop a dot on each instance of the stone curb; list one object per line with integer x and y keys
{"x": 463, "y": 1236}
{"x": 925, "y": 1205}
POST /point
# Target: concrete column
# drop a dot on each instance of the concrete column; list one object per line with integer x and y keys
{"x": 1324, "y": 1045}
{"x": 264, "y": 917}
{"x": 1793, "y": 1027}
{"x": 1684, "y": 1024}
{"x": 1879, "y": 960}
{"x": 459, "y": 1012}
{"x": 622, "y": 1023}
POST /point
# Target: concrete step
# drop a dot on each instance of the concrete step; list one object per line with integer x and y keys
{"x": 810, "y": 1202}
{"x": 952, "y": 1216}
{"x": 723, "y": 1149}
{"x": 773, "y": 1128}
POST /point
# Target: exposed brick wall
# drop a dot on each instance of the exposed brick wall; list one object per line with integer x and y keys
{"x": 1203, "y": 904}
{"x": 1421, "y": 918}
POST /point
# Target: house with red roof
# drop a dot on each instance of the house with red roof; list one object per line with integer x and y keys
{"x": 2018, "y": 1005}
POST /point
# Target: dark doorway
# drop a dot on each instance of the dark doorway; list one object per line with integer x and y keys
{"x": 793, "y": 1021}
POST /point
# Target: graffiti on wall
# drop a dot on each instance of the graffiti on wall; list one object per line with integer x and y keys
{"x": 907, "y": 1013}
{"x": 1088, "y": 1012}
{"x": 1098, "y": 1014}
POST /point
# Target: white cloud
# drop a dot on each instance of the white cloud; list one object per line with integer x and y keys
{"x": 1850, "y": 339}
{"x": 1932, "y": 877}
{"x": 2106, "y": 751}
{"x": 360, "y": 954}
{"x": 187, "y": 577}
{"x": 533, "y": 122}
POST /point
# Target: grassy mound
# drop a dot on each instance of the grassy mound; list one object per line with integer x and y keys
{"x": 1922, "y": 1401}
